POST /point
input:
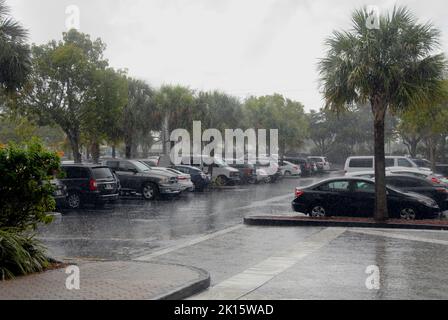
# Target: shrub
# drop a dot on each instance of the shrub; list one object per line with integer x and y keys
{"x": 25, "y": 191}
{"x": 20, "y": 254}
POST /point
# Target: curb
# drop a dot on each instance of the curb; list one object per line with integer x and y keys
{"x": 294, "y": 222}
{"x": 189, "y": 289}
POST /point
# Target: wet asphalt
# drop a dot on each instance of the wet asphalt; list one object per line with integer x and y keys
{"x": 205, "y": 230}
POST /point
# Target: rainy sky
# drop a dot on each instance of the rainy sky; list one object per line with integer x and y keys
{"x": 242, "y": 47}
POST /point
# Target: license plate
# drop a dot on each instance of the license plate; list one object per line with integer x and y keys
{"x": 108, "y": 187}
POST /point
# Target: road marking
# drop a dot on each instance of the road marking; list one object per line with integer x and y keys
{"x": 399, "y": 236}
{"x": 253, "y": 278}
{"x": 188, "y": 243}
{"x": 94, "y": 239}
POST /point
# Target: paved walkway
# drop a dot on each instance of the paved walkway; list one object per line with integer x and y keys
{"x": 109, "y": 281}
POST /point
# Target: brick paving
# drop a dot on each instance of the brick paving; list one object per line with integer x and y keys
{"x": 117, "y": 280}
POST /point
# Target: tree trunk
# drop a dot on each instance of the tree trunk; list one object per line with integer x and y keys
{"x": 381, "y": 214}
{"x": 166, "y": 135}
{"x": 432, "y": 152}
{"x": 95, "y": 150}
{"x": 128, "y": 150}
{"x": 114, "y": 151}
{"x": 73, "y": 137}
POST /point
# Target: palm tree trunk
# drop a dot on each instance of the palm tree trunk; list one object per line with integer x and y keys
{"x": 380, "y": 164}
{"x": 74, "y": 144}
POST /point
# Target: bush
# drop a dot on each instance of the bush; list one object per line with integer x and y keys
{"x": 20, "y": 254}
{"x": 25, "y": 191}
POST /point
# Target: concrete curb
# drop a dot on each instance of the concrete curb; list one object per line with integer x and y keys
{"x": 190, "y": 289}
{"x": 291, "y": 221}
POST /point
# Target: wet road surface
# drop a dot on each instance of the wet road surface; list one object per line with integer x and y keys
{"x": 250, "y": 262}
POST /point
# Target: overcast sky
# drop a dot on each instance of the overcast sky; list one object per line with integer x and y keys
{"x": 242, "y": 47}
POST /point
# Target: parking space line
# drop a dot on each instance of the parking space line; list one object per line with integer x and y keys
{"x": 253, "y": 278}
{"x": 188, "y": 243}
{"x": 399, "y": 236}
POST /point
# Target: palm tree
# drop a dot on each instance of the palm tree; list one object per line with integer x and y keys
{"x": 14, "y": 52}
{"x": 390, "y": 67}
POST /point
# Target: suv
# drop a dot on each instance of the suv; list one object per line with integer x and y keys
{"x": 135, "y": 177}
{"x": 305, "y": 165}
{"x": 89, "y": 184}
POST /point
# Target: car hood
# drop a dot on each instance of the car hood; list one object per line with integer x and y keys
{"x": 157, "y": 174}
{"x": 418, "y": 196}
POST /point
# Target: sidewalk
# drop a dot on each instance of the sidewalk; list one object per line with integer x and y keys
{"x": 110, "y": 280}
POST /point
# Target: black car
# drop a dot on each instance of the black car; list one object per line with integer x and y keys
{"x": 422, "y": 186}
{"x": 136, "y": 177}
{"x": 199, "y": 178}
{"x": 60, "y": 193}
{"x": 356, "y": 197}
{"x": 93, "y": 184}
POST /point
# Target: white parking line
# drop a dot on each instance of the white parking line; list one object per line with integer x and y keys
{"x": 188, "y": 243}
{"x": 251, "y": 279}
{"x": 398, "y": 236}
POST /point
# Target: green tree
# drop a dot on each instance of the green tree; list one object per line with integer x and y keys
{"x": 62, "y": 82}
{"x": 14, "y": 52}
{"x": 389, "y": 67}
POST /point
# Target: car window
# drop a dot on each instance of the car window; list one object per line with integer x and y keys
{"x": 361, "y": 163}
{"x": 364, "y": 186}
{"x": 76, "y": 173}
{"x": 335, "y": 186}
{"x": 126, "y": 166}
{"x": 390, "y": 162}
{"x": 113, "y": 164}
{"x": 102, "y": 173}
{"x": 404, "y": 163}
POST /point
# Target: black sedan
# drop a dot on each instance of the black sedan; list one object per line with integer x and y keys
{"x": 422, "y": 186}
{"x": 356, "y": 197}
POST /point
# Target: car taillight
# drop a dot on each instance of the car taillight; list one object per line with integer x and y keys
{"x": 298, "y": 192}
{"x": 443, "y": 190}
{"x": 435, "y": 180}
{"x": 93, "y": 185}
{"x": 181, "y": 178}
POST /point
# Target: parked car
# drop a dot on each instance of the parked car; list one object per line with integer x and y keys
{"x": 136, "y": 177}
{"x": 424, "y": 174}
{"x": 248, "y": 172}
{"x": 349, "y": 196}
{"x": 270, "y": 167}
{"x": 442, "y": 169}
{"x": 222, "y": 173}
{"x": 60, "y": 193}
{"x": 199, "y": 178}
{"x": 89, "y": 183}
{"x": 183, "y": 179}
{"x": 422, "y": 186}
{"x": 322, "y": 162}
{"x": 289, "y": 169}
{"x": 366, "y": 163}
{"x": 422, "y": 163}
{"x": 305, "y": 165}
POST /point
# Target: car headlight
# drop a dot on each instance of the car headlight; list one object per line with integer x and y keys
{"x": 429, "y": 203}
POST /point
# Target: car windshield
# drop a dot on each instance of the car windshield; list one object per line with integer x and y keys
{"x": 140, "y": 166}
{"x": 102, "y": 173}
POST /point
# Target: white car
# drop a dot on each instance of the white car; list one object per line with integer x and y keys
{"x": 366, "y": 163}
{"x": 290, "y": 169}
{"x": 182, "y": 178}
{"x": 425, "y": 174}
{"x": 321, "y": 162}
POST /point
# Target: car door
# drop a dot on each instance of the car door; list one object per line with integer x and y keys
{"x": 362, "y": 201}
{"x": 127, "y": 175}
{"x": 334, "y": 197}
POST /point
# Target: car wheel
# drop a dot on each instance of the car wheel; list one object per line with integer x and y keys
{"x": 252, "y": 180}
{"x": 318, "y": 212}
{"x": 149, "y": 191}
{"x": 407, "y": 213}
{"x": 287, "y": 173}
{"x": 221, "y": 181}
{"x": 268, "y": 179}
{"x": 74, "y": 200}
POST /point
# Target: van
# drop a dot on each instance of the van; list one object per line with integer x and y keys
{"x": 365, "y": 163}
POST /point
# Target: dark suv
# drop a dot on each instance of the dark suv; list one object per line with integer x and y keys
{"x": 135, "y": 177}
{"x": 87, "y": 183}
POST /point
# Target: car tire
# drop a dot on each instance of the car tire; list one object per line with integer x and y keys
{"x": 317, "y": 211}
{"x": 149, "y": 191}
{"x": 74, "y": 200}
{"x": 287, "y": 173}
{"x": 221, "y": 181}
{"x": 408, "y": 213}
